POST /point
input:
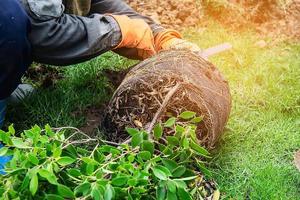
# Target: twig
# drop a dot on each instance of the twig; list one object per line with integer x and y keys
{"x": 89, "y": 139}
{"x": 117, "y": 158}
{"x": 162, "y": 107}
{"x": 110, "y": 143}
{"x": 67, "y": 127}
{"x": 80, "y": 142}
{"x": 94, "y": 150}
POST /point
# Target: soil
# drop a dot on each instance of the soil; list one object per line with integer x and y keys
{"x": 267, "y": 17}
{"x": 170, "y": 13}
{"x": 93, "y": 118}
{"x": 116, "y": 77}
{"x": 45, "y": 76}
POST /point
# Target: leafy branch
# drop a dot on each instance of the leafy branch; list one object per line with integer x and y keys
{"x": 48, "y": 165}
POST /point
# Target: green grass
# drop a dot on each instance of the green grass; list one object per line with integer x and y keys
{"x": 254, "y": 157}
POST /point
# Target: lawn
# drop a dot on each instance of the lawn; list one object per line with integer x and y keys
{"x": 254, "y": 159}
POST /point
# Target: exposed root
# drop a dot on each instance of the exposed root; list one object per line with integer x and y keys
{"x": 164, "y": 86}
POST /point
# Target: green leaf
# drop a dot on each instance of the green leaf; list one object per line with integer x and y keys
{"x": 161, "y": 193}
{"x": 83, "y": 189}
{"x": 51, "y": 178}
{"x": 170, "y": 122}
{"x": 71, "y": 151}
{"x": 161, "y": 173}
{"x": 11, "y": 130}
{"x": 74, "y": 172}
{"x": 132, "y": 131}
{"x": 172, "y": 140}
{"x": 132, "y": 182}
{"x": 186, "y": 178}
{"x": 203, "y": 169}
{"x": 171, "y": 195}
{"x": 179, "y": 171}
{"x": 187, "y": 115}
{"x": 108, "y": 194}
{"x": 63, "y": 161}
{"x": 49, "y": 131}
{"x": 90, "y": 168}
{"x": 144, "y": 155}
{"x": 28, "y": 134}
{"x": 96, "y": 194}
{"x": 5, "y": 137}
{"x": 119, "y": 181}
{"x": 18, "y": 142}
{"x": 57, "y": 152}
{"x": 170, "y": 164}
{"x": 3, "y": 151}
{"x": 98, "y": 156}
{"x": 179, "y": 129}
{"x": 34, "y": 183}
{"x": 130, "y": 158}
{"x": 65, "y": 191}
{"x": 33, "y": 159}
{"x": 25, "y": 183}
{"x": 200, "y": 150}
{"x": 183, "y": 194}
{"x": 44, "y": 139}
{"x": 196, "y": 119}
{"x": 88, "y": 160}
{"x": 158, "y": 131}
{"x": 164, "y": 169}
{"x": 109, "y": 149}
{"x": 53, "y": 197}
{"x": 148, "y": 146}
{"x": 180, "y": 183}
{"x": 137, "y": 139}
{"x": 171, "y": 186}
{"x": 185, "y": 143}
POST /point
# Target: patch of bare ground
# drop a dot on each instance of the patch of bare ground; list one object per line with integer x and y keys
{"x": 93, "y": 117}
{"x": 268, "y": 17}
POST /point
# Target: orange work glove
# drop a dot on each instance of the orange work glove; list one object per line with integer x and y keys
{"x": 171, "y": 39}
{"x": 137, "y": 38}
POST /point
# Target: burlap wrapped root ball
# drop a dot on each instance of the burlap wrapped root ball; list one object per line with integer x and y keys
{"x": 168, "y": 84}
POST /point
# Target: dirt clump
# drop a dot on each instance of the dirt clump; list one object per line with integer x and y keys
{"x": 45, "y": 76}
{"x": 166, "y": 85}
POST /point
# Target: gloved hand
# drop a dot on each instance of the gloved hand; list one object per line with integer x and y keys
{"x": 171, "y": 39}
{"x": 137, "y": 38}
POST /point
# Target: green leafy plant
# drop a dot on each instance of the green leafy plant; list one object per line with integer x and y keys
{"x": 48, "y": 165}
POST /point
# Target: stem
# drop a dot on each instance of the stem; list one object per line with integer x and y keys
{"x": 80, "y": 142}
{"x": 162, "y": 107}
{"x": 94, "y": 150}
{"x": 117, "y": 158}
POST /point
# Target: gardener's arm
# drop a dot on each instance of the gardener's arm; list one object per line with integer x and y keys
{"x": 164, "y": 39}
{"x": 63, "y": 39}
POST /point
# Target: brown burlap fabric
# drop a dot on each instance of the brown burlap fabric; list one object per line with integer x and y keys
{"x": 168, "y": 84}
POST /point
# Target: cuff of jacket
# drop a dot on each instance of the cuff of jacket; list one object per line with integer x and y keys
{"x": 116, "y": 36}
